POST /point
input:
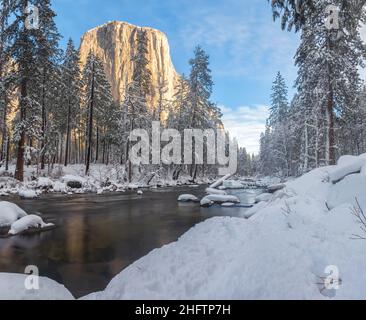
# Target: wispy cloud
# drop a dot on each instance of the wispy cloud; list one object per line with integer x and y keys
{"x": 242, "y": 38}
{"x": 246, "y": 124}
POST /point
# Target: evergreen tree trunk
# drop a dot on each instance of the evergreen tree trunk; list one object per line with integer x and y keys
{"x": 4, "y": 131}
{"x": 97, "y": 146}
{"x": 90, "y": 125}
{"x": 7, "y": 151}
{"x": 68, "y": 134}
{"x": 19, "y": 170}
{"x": 43, "y": 122}
{"x": 330, "y": 128}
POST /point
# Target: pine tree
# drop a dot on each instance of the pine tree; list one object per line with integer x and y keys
{"x": 139, "y": 90}
{"x": 203, "y": 113}
{"x": 179, "y": 114}
{"x": 23, "y": 50}
{"x": 98, "y": 101}
{"x": 328, "y": 62}
{"x": 47, "y": 58}
{"x": 279, "y": 103}
{"x": 70, "y": 107}
{"x": 200, "y": 83}
{"x": 5, "y": 64}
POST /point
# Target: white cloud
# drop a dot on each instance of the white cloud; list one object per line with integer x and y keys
{"x": 246, "y": 124}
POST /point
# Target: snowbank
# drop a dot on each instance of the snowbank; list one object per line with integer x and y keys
{"x": 347, "y": 165}
{"x": 286, "y": 250}
{"x": 72, "y": 180}
{"x": 12, "y": 288}
{"x": 9, "y": 213}
{"x": 263, "y": 197}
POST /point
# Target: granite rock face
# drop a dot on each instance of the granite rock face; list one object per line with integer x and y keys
{"x": 115, "y": 43}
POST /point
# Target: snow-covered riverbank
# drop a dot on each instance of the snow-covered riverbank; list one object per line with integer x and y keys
{"x": 300, "y": 243}
{"x": 72, "y": 180}
{"x": 286, "y": 250}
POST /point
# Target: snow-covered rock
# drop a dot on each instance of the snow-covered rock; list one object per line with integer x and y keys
{"x": 44, "y": 183}
{"x": 187, "y": 198}
{"x": 12, "y": 287}
{"x": 73, "y": 181}
{"x": 206, "y": 202}
{"x": 216, "y": 198}
{"x": 28, "y": 194}
{"x": 215, "y": 191}
{"x": 232, "y": 184}
{"x": 275, "y": 187}
{"x": 59, "y": 186}
{"x": 9, "y": 213}
{"x": 27, "y": 222}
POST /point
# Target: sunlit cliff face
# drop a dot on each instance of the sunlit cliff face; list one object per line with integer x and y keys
{"x": 115, "y": 44}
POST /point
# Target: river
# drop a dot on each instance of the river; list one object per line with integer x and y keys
{"x": 100, "y": 235}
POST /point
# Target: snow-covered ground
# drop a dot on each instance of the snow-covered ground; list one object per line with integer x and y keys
{"x": 295, "y": 246}
{"x": 72, "y": 179}
{"x": 300, "y": 243}
{"x": 12, "y": 287}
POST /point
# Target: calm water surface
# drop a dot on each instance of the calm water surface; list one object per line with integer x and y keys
{"x": 98, "y": 236}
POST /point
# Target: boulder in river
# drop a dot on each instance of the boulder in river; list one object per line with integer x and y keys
{"x": 276, "y": 187}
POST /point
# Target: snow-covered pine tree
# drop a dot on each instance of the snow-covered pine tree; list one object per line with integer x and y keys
{"x": 266, "y": 160}
{"x": 203, "y": 112}
{"x": 278, "y": 120}
{"x": 22, "y": 50}
{"x": 328, "y": 61}
{"x": 179, "y": 113}
{"x": 200, "y": 83}
{"x": 139, "y": 90}
{"x": 162, "y": 106}
{"x": 279, "y": 102}
{"x": 47, "y": 58}
{"x": 69, "y": 110}
{"x": 98, "y": 100}
{"x": 5, "y": 80}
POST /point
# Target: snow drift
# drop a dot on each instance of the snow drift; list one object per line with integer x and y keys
{"x": 285, "y": 250}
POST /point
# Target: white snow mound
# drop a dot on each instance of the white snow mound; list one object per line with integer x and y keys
{"x": 12, "y": 287}
{"x": 10, "y": 212}
{"x": 29, "y": 221}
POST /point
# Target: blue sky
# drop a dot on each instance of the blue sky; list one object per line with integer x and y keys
{"x": 246, "y": 47}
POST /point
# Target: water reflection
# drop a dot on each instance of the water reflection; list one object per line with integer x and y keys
{"x": 98, "y": 236}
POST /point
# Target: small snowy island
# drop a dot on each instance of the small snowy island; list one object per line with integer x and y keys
{"x": 14, "y": 220}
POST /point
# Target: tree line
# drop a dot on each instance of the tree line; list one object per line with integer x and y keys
{"x": 326, "y": 117}
{"x": 55, "y": 111}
